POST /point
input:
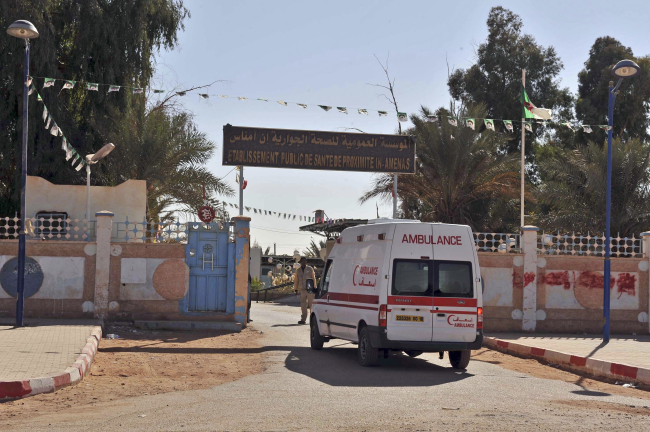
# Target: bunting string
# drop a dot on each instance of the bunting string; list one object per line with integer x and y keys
{"x": 268, "y": 213}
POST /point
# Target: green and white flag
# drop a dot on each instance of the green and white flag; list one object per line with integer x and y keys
{"x": 586, "y": 128}
{"x": 44, "y": 113}
{"x": 157, "y": 91}
{"x": 530, "y": 111}
{"x": 29, "y": 81}
{"x": 383, "y": 113}
{"x": 508, "y": 125}
{"x": 138, "y": 90}
{"x": 303, "y": 106}
{"x": 38, "y": 97}
{"x": 281, "y": 102}
{"x": 92, "y": 86}
{"x": 55, "y": 130}
{"x": 49, "y": 82}
{"x": 81, "y": 165}
{"x": 569, "y": 126}
{"x": 402, "y": 117}
{"x": 604, "y": 127}
{"x": 68, "y": 151}
{"x": 64, "y": 144}
{"x": 489, "y": 124}
{"x": 204, "y": 95}
{"x": 432, "y": 118}
{"x": 113, "y": 88}
{"x": 32, "y": 89}
{"x": 343, "y": 110}
{"x": 264, "y": 100}
{"x": 69, "y": 85}
{"x": 242, "y": 98}
{"x": 76, "y": 157}
{"x": 362, "y": 111}
{"x": 47, "y": 124}
{"x": 325, "y": 107}
{"x": 528, "y": 126}
{"x": 470, "y": 123}
{"x": 452, "y": 121}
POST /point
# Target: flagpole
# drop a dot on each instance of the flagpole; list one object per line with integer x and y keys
{"x": 523, "y": 151}
{"x": 241, "y": 190}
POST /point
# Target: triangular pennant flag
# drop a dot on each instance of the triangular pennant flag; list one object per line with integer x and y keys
{"x": 38, "y": 97}
{"x": 76, "y": 157}
{"x": 470, "y": 123}
{"x": 68, "y": 152}
{"x": 138, "y": 90}
{"x": 508, "y": 125}
{"x": 382, "y": 113}
{"x": 489, "y": 123}
{"x": 49, "y": 82}
{"x": 64, "y": 144}
{"x": 586, "y": 128}
{"x": 242, "y": 98}
{"x": 248, "y": 209}
{"x": 32, "y": 89}
{"x": 55, "y": 130}
{"x": 452, "y": 121}
{"x": 47, "y": 124}
{"x": 204, "y": 95}
{"x": 60, "y": 132}
{"x": 402, "y": 116}
{"x": 528, "y": 126}
{"x": 69, "y": 85}
{"x": 29, "y": 81}
{"x": 92, "y": 86}
{"x": 301, "y": 218}
{"x": 282, "y": 102}
{"x": 325, "y": 107}
{"x": 182, "y": 93}
{"x": 81, "y": 165}
{"x": 362, "y": 111}
{"x": 432, "y": 118}
{"x": 263, "y": 100}
{"x": 294, "y": 217}
{"x": 343, "y": 110}
{"x": 604, "y": 127}
{"x": 222, "y": 96}
{"x": 113, "y": 88}
{"x": 158, "y": 91}
{"x": 569, "y": 126}
{"x": 44, "y": 113}
{"x": 302, "y": 106}
{"x": 255, "y": 210}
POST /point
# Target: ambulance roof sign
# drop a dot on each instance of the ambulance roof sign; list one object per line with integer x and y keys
{"x": 318, "y": 150}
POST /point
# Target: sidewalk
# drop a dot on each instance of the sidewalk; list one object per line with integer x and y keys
{"x": 624, "y": 357}
{"x": 45, "y": 355}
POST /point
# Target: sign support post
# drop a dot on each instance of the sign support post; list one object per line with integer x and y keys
{"x": 394, "y": 196}
{"x": 241, "y": 190}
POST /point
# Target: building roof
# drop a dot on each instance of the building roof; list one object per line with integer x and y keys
{"x": 332, "y": 227}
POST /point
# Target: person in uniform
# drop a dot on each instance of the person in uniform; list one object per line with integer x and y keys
{"x": 304, "y": 273}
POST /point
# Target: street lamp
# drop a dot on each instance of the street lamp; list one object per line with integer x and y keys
{"x": 623, "y": 69}
{"x": 92, "y": 159}
{"x": 23, "y": 30}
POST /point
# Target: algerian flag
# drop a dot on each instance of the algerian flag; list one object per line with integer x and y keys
{"x": 470, "y": 123}
{"x": 362, "y": 111}
{"x": 325, "y": 107}
{"x": 47, "y": 124}
{"x": 508, "y": 125}
{"x": 69, "y": 85}
{"x": 113, "y": 88}
{"x": 92, "y": 86}
{"x": 489, "y": 123}
{"x": 64, "y": 144}
{"x": 248, "y": 209}
{"x": 586, "y": 128}
{"x": 304, "y": 106}
{"x": 76, "y": 157}
{"x": 402, "y": 116}
{"x": 294, "y": 217}
{"x": 604, "y": 127}
{"x": 181, "y": 93}
{"x": 432, "y": 118}
{"x": 282, "y": 103}
{"x": 343, "y": 110}
{"x": 138, "y": 90}
{"x": 264, "y": 100}
{"x": 29, "y": 81}
{"x": 49, "y": 82}
{"x": 531, "y": 111}
{"x": 44, "y": 113}
{"x": 452, "y": 121}
{"x": 68, "y": 152}
{"x": 81, "y": 165}
{"x": 242, "y": 98}
{"x": 38, "y": 97}
{"x": 382, "y": 113}
{"x": 569, "y": 126}
{"x": 31, "y": 90}
{"x": 203, "y": 95}
{"x": 158, "y": 91}
{"x": 55, "y": 130}
{"x": 528, "y": 126}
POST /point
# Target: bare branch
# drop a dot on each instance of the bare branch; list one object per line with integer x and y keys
{"x": 352, "y": 128}
{"x": 165, "y": 101}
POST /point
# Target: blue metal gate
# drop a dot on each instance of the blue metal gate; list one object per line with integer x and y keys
{"x": 210, "y": 256}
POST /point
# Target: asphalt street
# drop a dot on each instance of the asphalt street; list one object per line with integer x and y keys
{"x": 303, "y": 389}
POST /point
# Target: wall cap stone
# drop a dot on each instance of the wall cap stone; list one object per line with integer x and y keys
{"x": 241, "y": 218}
{"x": 529, "y": 228}
{"x": 104, "y": 213}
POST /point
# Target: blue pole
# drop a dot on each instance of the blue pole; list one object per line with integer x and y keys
{"x": 20, "y": 289}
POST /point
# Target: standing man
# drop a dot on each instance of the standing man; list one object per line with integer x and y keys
{"x": 304, "y": 273}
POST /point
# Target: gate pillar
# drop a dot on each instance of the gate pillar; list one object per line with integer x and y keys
{"x": 242, "y": 263}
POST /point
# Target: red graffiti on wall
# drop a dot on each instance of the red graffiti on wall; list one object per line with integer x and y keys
{"x": 516, "y": 280}
{"x": 625, "y": 284}
{"x": 557, "y": 278}
{"x": 529, "y": 278}
{"x": 593, "y": 280}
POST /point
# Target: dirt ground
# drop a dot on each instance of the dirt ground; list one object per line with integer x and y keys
{"x": 145, "y": 362}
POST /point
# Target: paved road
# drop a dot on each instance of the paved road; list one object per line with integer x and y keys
{"x": 308, "y": 390}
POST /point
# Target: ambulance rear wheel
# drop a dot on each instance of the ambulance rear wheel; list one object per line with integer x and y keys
{"x": 315, "y": 338}
{"x": 459, "y": 359}
{"x": 413, "y": 353}
{"x": 367, "y": 355}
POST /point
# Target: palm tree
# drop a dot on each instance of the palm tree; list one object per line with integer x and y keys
{"x": 164, "y": 147}
{"x": 461, "y": 177}
{"x": 313, "y": 250}
{"x": 573, "y": 189}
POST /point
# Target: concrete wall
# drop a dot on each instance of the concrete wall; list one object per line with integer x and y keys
{"x": 126, "y": 200}
{"x": 256, "y": 263}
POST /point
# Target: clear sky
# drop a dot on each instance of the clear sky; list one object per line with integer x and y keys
{"x": 322, "y": 53}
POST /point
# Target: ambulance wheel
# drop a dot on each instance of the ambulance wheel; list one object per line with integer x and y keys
{"x": 412, "y": 353}
{"x": 315, "y": 338}
{"x": 459, "y": 359}
{"x": 367, "y": 355}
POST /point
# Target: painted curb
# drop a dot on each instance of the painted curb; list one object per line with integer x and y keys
{"x": 590, "y": 366}
{"x": 70, "y": 376}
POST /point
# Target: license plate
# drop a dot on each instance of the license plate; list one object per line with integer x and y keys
{"x": 409, "y": 318}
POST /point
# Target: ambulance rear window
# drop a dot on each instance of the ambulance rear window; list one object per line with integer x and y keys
{"x": 412, "y": 278}
{"x": 453, "y": 279}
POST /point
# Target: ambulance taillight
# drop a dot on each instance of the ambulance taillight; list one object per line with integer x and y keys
{"x": 382, "y": 315}
{"x": 479, "y": 320}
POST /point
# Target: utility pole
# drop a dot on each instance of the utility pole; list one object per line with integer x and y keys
{"x": 523, "y": 152}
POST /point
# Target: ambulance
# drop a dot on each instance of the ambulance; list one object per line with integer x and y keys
{"x": 393, "y": 286}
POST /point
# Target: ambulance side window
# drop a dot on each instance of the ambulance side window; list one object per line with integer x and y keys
{"x": 325, "y": 280}
{"x": 453, "y": 279}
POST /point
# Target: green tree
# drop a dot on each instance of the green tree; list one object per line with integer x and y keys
{"x": 495, "y": 79}
{"x": 98, "y": 41}
{"x": 314, "y": 248}
{"x": 632, "y": 106}
{"x": 460, "y": 176}
{"x": 573, "y": 194}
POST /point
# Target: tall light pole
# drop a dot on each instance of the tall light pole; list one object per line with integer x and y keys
{"x": 23, "y": 30}
{"x": 623, "y": 69}
{"x": 92, "y": 159}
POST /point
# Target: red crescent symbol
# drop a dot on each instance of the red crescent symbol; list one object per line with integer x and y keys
{"x": 353, "y": 276}
{"x": 448, "y": 318}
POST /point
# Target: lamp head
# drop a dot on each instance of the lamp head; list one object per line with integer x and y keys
{"x": 23, "y": 30}
{"x": 101, "y": 154}
{"x": 626, "y": 69}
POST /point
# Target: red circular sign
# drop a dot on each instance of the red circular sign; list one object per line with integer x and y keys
{"x": 206, "y": 214}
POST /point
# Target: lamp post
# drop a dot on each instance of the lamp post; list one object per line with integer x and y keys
{"x": 623, "y": 69}
{"x": 23, "y": 30}
{"x": 92, "y": 159}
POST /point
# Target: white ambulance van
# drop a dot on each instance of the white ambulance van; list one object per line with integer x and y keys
{"x": 401, "y": 286}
